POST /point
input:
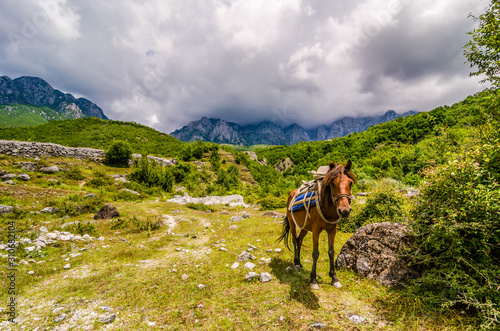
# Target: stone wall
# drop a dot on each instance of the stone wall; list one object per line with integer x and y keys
{"x": 33, "y": 149}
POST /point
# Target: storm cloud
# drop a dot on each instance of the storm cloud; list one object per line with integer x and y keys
{"x": 165, "y": 63}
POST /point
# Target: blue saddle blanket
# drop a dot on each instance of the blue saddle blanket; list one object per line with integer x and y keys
{"x": 300, "y": 198}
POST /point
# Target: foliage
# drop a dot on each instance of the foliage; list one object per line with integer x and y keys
{"x": 14, "y": 115}
{"x": 181, "y": 171}
{"x": 83, "y": 228}
{"x": 75, "y": 173}
{"x": 383, "y": 206}
{"x": 99, "y": 179}
{"x": 119, "y": 153}
{"x": 201, "y": 207}
{"x": 456, "y": 229}
{"x": 272, "y": 203}
{"x": 215, "y": 158}
{"x": 151, "y": 174}
{"x": 483, "y": 50}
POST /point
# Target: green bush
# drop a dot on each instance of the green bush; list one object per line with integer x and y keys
{"x": 118, "y": 154}
{"x": 272, "y": 203}
{"x": 83, "y": 228}
{"x": 201, "y": 207}
{"x": 384, "y": 206}
{"x": 75, "y": 173}
{"x": 152, "y": 174}
{"x": 456, "y": 234}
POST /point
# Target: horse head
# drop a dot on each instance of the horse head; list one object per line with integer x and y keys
{"x": 338, "y": 181}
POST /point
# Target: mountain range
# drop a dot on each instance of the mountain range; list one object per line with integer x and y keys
{"x": 269, "y": 133}
{"x": 34, "y": 91}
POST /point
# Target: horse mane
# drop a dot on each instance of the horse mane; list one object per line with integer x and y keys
{"x": 337, "y": 169}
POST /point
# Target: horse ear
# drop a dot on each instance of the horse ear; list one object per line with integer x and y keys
{"x": 332, "y": 165}
{"x": 348, "y": 165}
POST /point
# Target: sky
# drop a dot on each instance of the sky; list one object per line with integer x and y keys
{"x": 166, "y": 63}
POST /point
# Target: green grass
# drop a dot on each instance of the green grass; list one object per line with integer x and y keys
{"x": 132, "y": 269}
{"x": 22, "y": 116}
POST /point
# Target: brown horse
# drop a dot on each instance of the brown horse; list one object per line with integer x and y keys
{"x": 335, "y": 198}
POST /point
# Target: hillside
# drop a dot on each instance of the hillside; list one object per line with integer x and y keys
{"x": 97, "y": 133}
{"x": 269, "y": 133}
{"x": 21, "y": 115}
{"x": 34, "y": 91}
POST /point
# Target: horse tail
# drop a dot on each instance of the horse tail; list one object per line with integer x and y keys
{"x": 285, "y": 232}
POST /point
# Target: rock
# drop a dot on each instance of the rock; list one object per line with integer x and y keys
{"x": 6, "y": 209}
{"x": 273, "y": 214}
{"x": 358, "y": 319}
{"x": 278, "y": 250}
{"x": 8, "y": 176}
{"x": 184, "y": 277}
{"x": 284, "y": 165}
{"x": 249, "y": 265}
{"x": 130, "y": 191}
{"x": 43, "y": 229}
{"x": 233, "y": 227}
{"x": 265, "y": 277}
{"x": 67, "y": 266}
{"x": 245, "y": 256}
{"x": 231, "y": 200}
{"x": 60, "y": 318}
{"x": 100, "y": 238}
{"x": 373, "y": 253}
{"x": 106, "y": 308}
{"x": 49, "y": 170}
{"x": 235, "y": 219}
{"x": 251, "y": 275}
{"x": 9, "y": 182}
{"x": 48, "y": 210}
{"x": 107, "y": 319}
{"x": 201, "y": 286}
{"x": 91, "y": 195}
{"x": 31, "y": 272}
{"x": 235, "y": 265}
{"x": 24, "y": 177}
{"x": 106, "y": 212}
{"x": 29, "y": 249}
{"x": 318, "y": 325}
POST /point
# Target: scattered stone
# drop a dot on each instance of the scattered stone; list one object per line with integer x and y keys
{"x": 265, "y": 277}
{"x": 245, "y": 256}
{"x": 60, "y": 318}
{"x": 282, "y": 318}
{"x": 249, "y": 265}
{"x": 66, "y": 266}
{"x": 6, "y": 209}
{"x": 251, "y": 275}
{"x": 373, "y": 252}
{"x": 224, "y": 212}
{"x": 24, "y": 177}
{"x": 289, "y": 269}
{"x": 43, "y": 229}
{"x": 106, "y": 212}
{"x": 201, "y": 286}
{"x": 246, "y": 215}
{"x": 278, "y": 250}
{"x": 48, "y": 210}
{"x": 273, "y": 214}
{"x": 91, "y": 195}
{"x": 184, "y": 277}
{"x": 129, "y": 191}
{"x": 8, "y": 176}
{"x": 224, "y": 249}
{"x": 235, "y": 265}
{"x": 100, "y": 238}
{"x": 107, "y": 319}
{"x": 233, "y": 227}
{"x": 49, "y": 170}
{"x": 31, "y": 272}
{"x": 29, "y": 249}
{"x": 358, "y": 319}
{"x": 106, "y": 308}
{"x": 252, "y": 247}
{"x": 231, "y": 200}
{"x": 9, "y": 182}
{"x": 235, "y": 219}
{"x": 318, "y": 325}
{"x": 64, "y": 238}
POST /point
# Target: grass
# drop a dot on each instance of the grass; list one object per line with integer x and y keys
{"x": 137, "y": 270}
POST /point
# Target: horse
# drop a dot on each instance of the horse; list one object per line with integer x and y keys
{"x": 334, "y": 204}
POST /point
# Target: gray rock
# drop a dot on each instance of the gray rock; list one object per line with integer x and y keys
{"x": 265, "y": 277}
{"x": 106, "y": 308}
{"x": 235, "y": 219}
{"x": 9, "y": 182}
{"x": 24, "y": 177}
{"x": 374, "y": 252}
{"x": 231, "y": 200}
{"x": 91, "y": 195}
{"x": 245, "y": 256}
{"x": 43, "y": 229}
{"x": 358, "y": 319}
{"x": 249, "y": 265}
{"x": 273, "y": 214}
{"x": 106, "y": 212}
{"x": 107, "y": 319}
{"x": 251, "y": 275}
{"x": 233, "y": 227}
{"x": 60, "y": 318}
{"x": 49, "y": 170}
{"x": 48, "y": 210}
{"x": 8, "y": 176}
{"x": 6, "y": 209}
{"x": 318, "y": 325}
{"x": 67, "y": 266}
{"x": 235, "y": 265}
{"x": 129, "y": 191}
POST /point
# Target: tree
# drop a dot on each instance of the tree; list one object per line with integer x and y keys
{"x": 119, "y": 153}
{"x": 483, "y": 50}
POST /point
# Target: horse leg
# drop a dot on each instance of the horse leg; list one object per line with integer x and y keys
{"x": 296, "y": 260}
{"x": 314, "y": 283}
{"x": 331, "y": 255}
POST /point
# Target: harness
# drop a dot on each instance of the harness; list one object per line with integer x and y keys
{"x": 308, "y": 191}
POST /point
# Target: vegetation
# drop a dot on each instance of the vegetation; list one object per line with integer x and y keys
{"x": 15, "y": 115}
{"x": 118, "y": 154}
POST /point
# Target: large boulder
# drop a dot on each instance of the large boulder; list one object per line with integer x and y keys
{"x": 374, "y": 251}
{"x": 106, "y": 212}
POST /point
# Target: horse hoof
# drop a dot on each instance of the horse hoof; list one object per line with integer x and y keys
{"x": 314, "y": 286}
{"x": 337, "y": 285}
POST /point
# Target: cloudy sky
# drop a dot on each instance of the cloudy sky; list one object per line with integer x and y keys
{"x": 164, "y": 63}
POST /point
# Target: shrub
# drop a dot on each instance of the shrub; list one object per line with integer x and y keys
{"x": 118, "y": 154}
{"x": 456, "y": 234}
{"x": 384, "y": 206}
{"x": 272, "y": 203}
{"x": 83, "y": 228}
{"x": 152, "y": 174}
{"x": 75, "y": 173}
{"x": 201, "y": 207}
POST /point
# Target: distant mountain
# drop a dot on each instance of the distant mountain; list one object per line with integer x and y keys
{"x": 269, "y": 133}
{"x": 34, "y": 91}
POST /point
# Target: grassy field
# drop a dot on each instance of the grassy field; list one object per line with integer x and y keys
{"x": 22, "y": 116}
{"x": 150, "y": 278}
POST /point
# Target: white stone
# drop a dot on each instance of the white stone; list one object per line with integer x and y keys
{"x": 201, "y": 286}
{"x": 235, "y": 265}
{"x": 43, "y": 229}
{"x": 66, "y": 266}
{"x": 249, "y": 265}
{"x": 265, "y": 277}
{"x": 278, "y": 250}
{"x": 64, "y": 238}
